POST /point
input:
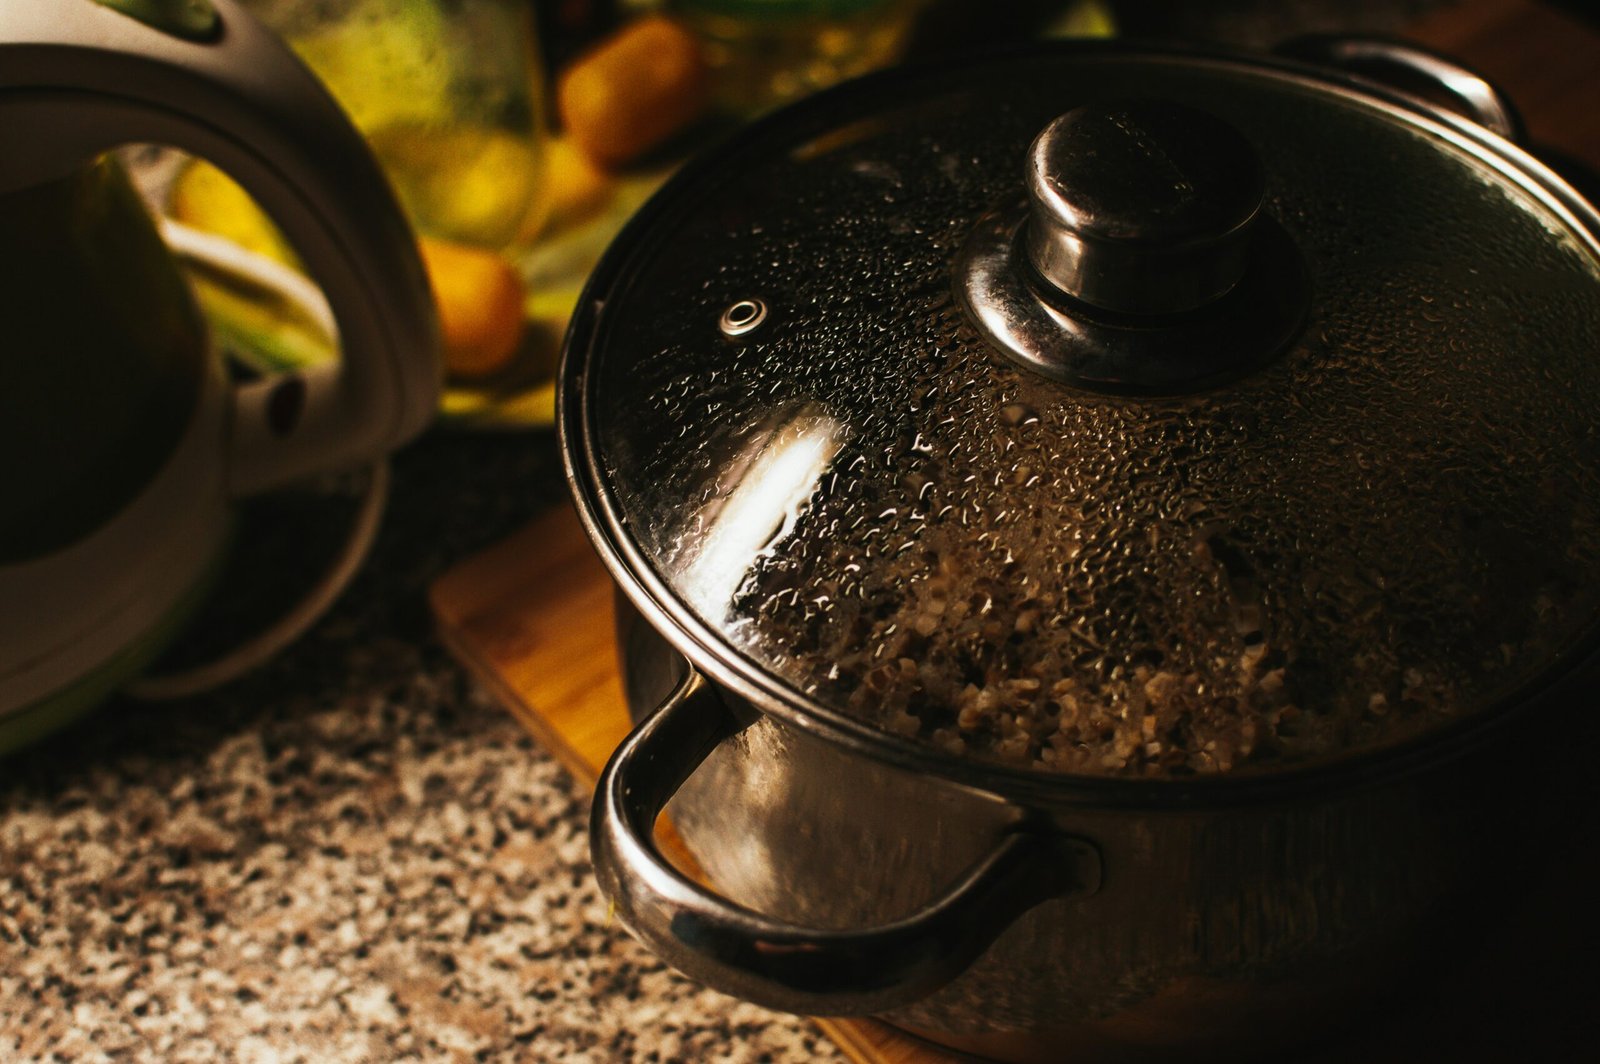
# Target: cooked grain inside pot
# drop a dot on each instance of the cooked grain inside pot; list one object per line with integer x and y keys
{"x": 1185, "y": 586}
{"x": 994, "y": 665}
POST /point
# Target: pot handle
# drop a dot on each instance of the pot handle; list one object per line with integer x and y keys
{"x": 779, "y": 964}
{"x": 1415, "y": 70}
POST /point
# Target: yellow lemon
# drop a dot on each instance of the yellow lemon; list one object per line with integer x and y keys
{"x": 206, "y": 198}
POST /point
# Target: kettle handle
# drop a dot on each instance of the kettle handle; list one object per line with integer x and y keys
{"x": 78, "y": 78}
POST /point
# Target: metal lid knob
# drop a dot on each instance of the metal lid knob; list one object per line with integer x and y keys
{"x": 1141, "y": 207}
{"x": 1142, "y": 261}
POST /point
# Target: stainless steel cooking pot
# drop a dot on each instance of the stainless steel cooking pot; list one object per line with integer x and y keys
{"x": 1117, "y": 533}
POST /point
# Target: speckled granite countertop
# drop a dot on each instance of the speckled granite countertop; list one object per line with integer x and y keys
{"x": 351, "y": 855}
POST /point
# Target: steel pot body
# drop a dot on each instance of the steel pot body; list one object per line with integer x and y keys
{"x": 1214, "y": 931}
{"x": 1024, "y": 913}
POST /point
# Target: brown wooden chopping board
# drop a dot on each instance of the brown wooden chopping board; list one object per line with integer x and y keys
{"x": 531, "y": 618}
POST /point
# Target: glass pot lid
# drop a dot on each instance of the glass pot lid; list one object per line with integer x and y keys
{"x": 1108, "y": 412}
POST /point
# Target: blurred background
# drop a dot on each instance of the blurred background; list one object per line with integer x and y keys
{"x": 521, "y": 134}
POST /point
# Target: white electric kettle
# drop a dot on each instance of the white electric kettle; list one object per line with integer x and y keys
{"x": 122, "y": 440}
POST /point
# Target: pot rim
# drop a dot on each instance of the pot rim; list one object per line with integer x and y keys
{"x": 715, "y": 657}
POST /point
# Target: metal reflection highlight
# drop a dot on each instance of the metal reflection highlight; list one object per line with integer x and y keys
{"x": 774, "y": 479}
